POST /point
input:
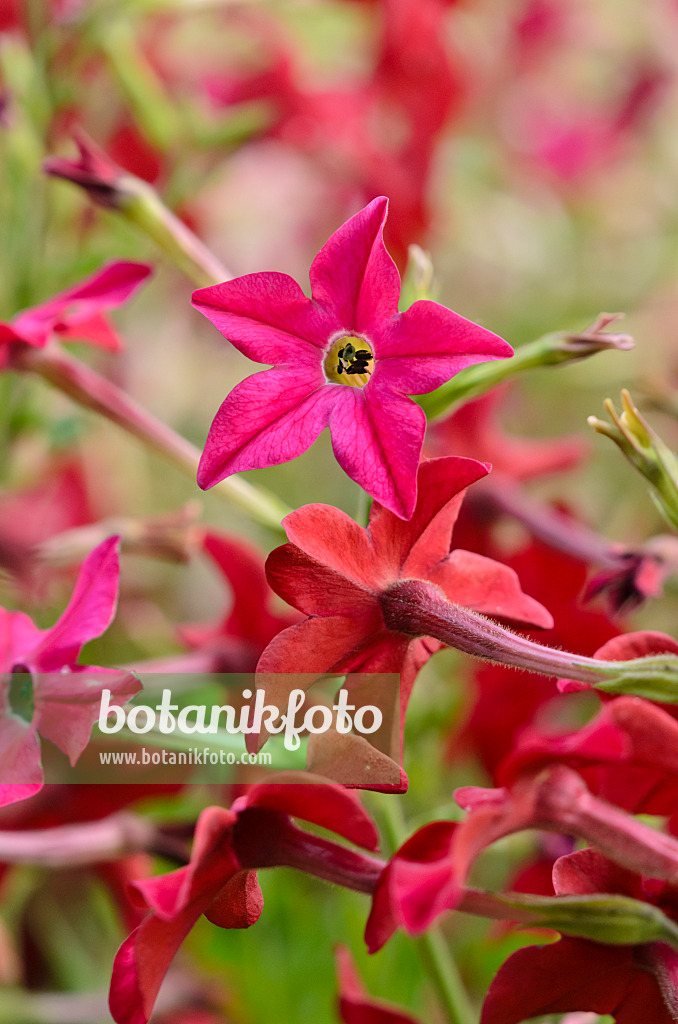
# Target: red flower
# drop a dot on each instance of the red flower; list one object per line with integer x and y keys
{"x": 238, "y": 637}
{"x": 335, "y": 572}
{"x": 473, "y": 430}
{"x": 220, "y": 881}
{"x": 415, "y": 887}
{"x": 633, "y": 983}
{"x": 558, "y": 800}
{"x": 627, "y": 754}
{"x": 503, "y": 707}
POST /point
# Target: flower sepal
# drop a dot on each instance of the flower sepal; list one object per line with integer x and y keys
{"x": 610, "y": 918}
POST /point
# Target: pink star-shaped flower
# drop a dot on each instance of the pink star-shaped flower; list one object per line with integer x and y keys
{"x": 345, "y": 359}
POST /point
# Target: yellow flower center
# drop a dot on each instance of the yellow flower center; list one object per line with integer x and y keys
{"x": 349, "y": 361}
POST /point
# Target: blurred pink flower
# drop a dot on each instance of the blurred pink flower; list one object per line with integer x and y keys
{"x": 77, "y": 314}
{"x": 570, "y": 145}
{"x": 58, "y": 698}
{"x": 58, "y": 500}
{"x": 345, "y": 359}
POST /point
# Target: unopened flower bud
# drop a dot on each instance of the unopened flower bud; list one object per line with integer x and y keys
{"x": 111, "y": 187}
{"x": 645, "y": 450}
{"x": 95, "y": 172}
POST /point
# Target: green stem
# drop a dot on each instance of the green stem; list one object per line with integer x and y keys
{"x": 432, "y": 947}
{"x": 610, "y": 918}
{"x": 86, "y": 387}
{"x": 436, "y": 957}
{"x": 142, "y": 206}
{"x": 549, "y": 350}
{"x": 475, "y": 380}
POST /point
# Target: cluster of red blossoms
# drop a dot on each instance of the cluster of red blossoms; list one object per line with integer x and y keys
{"x": 565, "y": 731}
{"x": 380, "y": 598}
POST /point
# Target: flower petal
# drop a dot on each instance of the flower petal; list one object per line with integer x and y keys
{"x": 239, "y": 904}
{"x": 411, "y": 548}
{"x": 96, "y": 330}
{"x": 243, "y": 566}
{"x": 212, "y": 863}
{"x": 428, "y": 344}
{"x": 162, "y": 894}
{"x": 602, "y": 741}
{"x": 297, "y": 656}
{"x": 18, "y": 637}
{"x": 144, "y": 958}
{"x": 641, "y": 644}
{"x": 11, "y": 793}
{"x": 314, "y": 588}
{"x": 573, "y": 974}
{"x": 20, "y": 766}
{"x": 489, "y": 587}
{"x": 268, "y": 418}
{"x": 68, "y": 704}
{"x": 352, "y": 760}
{"x": 355, "y": 1006}
{"x": 142, "y": 962}
{"x": 318, "y": 645}
{"x": 330, "y": 536}
{"x": 377, "y": 438}
{"x": 415, "y": 887}
{"x": 314, "y": 799}
{"x": 249, "y": 616}
{"x": 474, "y": 429}
{"x": 353, "y": 276}
{"x": 110, "y": 286}
{"x": 267, "y": 317}
{"x": 89, "y": 613}
{"x": 588, "y": 871}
